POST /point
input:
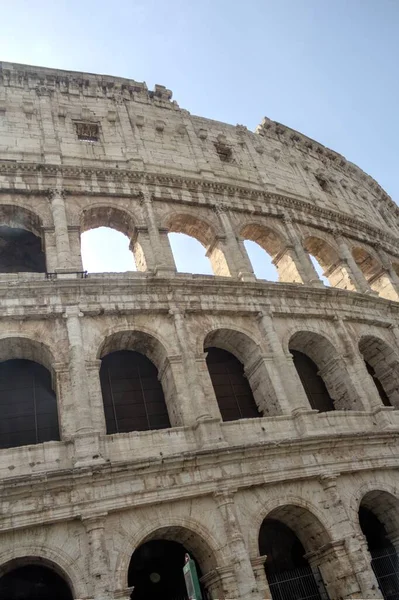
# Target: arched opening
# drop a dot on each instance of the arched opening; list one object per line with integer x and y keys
{"x": 261, "y": 262}
{"x": 378, "y": 518}
{"x": 323, "y": 373}
{"x": 196, "y": 247}
{"x": 189, "y": 255}
{"x": 132, "y": 393}
{"x": 156, "y": 566}
{"x": 28, "y": 404}
{"x": 33, "y": 582}
{"x": 156, "y": 571}
{"x": 244, "y": 372}
{"x": 20, "y": 241}
{"x": 327, "y": 263}
{"x": 276, "y": 262}
{"x": 285, "y": 538}
{"x": 109, "y": 241}
{"x": 383, "y": 366}
{"x": 232, "y": 390}
{"x": 105, "y": 250}
{"x": 313, "y": 384}
{"x": 374, "y": 273}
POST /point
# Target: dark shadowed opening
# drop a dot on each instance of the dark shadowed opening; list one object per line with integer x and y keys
{"x": 313, "y": 384}
{"x": 33, "y": 582}
{"x": 232, "y": 390}
{"x": 288, "y": 572}
{"x": 132, "y": 394}
{"x": 156, "y": 571}
{"x": 20, "y": 251}
{"x": 28, "y": 405}
{"x": 382, "y": 393}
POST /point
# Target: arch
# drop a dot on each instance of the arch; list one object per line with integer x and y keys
{"x": 331, "y": 370}
{"x": 54, "y": 559}
{"x": 334, "y": 270}
{"x": 27, "y": 348}
{"x": 33, "y": 581}
{"x": 382, "y": 363}
{"x": 119, "y": 219}
{"x": 20, "y": 240}
{"x": 142, "y": 344}
{"x": 204, "y": 232}
{"x": 247, "y": 353}
{"x": 288, "y": 536}
{"x": 379, "y": 522}
{"x": 276, "y": 247}
{"x": 188, "y": 532}
{"x": 374, "y": 273}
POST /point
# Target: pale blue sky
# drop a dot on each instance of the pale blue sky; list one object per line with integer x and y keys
{"x": 328, "y": 68}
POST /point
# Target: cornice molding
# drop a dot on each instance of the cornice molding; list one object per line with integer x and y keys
{"x": 300, "y": 209}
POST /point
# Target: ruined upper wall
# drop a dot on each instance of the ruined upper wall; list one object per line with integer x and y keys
{"x": 43, "y": 111}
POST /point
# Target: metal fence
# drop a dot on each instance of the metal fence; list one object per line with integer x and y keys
{"x": 299, "y": 584}
{"x": 385, "y": 565}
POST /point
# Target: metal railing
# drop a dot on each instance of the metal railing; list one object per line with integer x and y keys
{"x": 298, "y": 584}
{"x": 385, "y": 564}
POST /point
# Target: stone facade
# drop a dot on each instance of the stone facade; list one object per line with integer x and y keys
{"x": 78, "y": 151}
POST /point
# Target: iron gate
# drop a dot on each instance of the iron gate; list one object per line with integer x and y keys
{"x": 298, "y": 584}
{"x": 386, "y": 568}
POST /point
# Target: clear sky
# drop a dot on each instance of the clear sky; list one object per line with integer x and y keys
{"x": 328, "y": 68}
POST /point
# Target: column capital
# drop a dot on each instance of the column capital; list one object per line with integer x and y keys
{"x": 57, "y": 192}
{"x": 72, "y": 311}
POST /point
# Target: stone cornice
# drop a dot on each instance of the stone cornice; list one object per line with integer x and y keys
{"x": 272, "y": 203}
{"x": 45, "y": 81}
{"x": 328, "y": 157}
{"x": 73, "y": 483}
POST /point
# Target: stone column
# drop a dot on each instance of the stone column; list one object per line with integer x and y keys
{"x": 142, "y": 249}
{"x": 390, "y": 271}
{"x": 207, "y": 425}
{"x": 294, "y": 400}
{"x": 50, "y": 145}
{"x": 353, "y": 559}
{"x": 246, "y": 583}
{"x": 86, "y": 439}
{"x": 304, "y": 265}
{"x": 235, "y": 253}
{"x": 97, "y": 556}
{"x": 163, "y": 257}
{"x": 96, "y": 398}
{"x": 258, "y": 566}
{"x": 221, "y": 583}
{"x": 355, "y": 273}
{"x": 57, "y": 199}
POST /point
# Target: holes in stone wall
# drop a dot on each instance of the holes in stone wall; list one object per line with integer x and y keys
{"x": 106, "y": 250}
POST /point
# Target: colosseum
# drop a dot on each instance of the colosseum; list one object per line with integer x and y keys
{"x": 153, "y": 414}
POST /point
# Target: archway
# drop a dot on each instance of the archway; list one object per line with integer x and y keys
{"x": 132, "y": 394}
{"x": 156, "y": 566}
{"x": 383, "y": 366}
{"x": 241, "y": 367}
{"x": 379, "y": 522}
{"x": 276, "y": 263}
{"x": 33, "y": 581}
{"x": 322, "y": 373}
{"x": 232, "y": 390}
{"x": 374, "y": 273}
{"x": 20, "y": 241}
{"x": 28, "y": 404}
{"x": 330, "y": 268}
{"x": 109, "y": 241}
{"x": 286, "y": 536}
{"x": 195, "y": 246}
{"x": 156, "y": 571}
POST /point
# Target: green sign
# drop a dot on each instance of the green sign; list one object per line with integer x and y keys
{"x": 191, "y": 579}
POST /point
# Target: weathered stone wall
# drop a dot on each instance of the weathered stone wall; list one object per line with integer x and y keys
{"x": 206, "y": 483}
